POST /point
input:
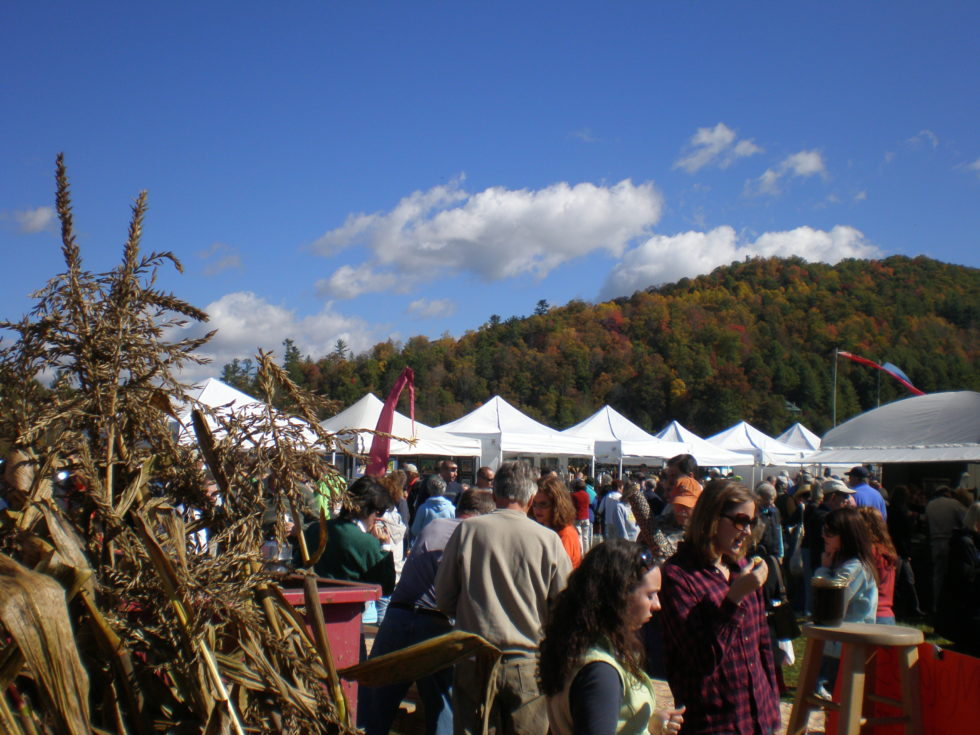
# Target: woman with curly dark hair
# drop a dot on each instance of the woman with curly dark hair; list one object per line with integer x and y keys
{"x": 591, "y": 663}
{"x": 552, "y": 507}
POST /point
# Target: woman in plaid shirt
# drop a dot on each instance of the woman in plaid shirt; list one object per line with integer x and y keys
{"x": 716, "y": 642}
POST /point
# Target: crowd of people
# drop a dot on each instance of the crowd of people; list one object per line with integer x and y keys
{"x": 591, "y": 586}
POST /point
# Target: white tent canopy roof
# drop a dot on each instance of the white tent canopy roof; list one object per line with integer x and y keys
{"x": 762, "y": 448}
{"x": 615, "y": 436}
{"x": 502, "y": 428}
{"x": 800, "y": 437}
{"x": 223, "y": 399}
{"x": 706, "y": 453}
{"x": 364, "y": 415}
{"x": 936, "y": 427}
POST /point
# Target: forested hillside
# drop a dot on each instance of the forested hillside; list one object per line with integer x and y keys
{"x": 754, "y": 340}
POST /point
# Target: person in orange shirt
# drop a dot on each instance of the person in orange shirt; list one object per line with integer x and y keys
{"x": 552, "y": 507}
{"x": 682, "y": 472}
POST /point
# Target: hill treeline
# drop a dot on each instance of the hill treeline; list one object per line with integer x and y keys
{"x": 753, "y": 340}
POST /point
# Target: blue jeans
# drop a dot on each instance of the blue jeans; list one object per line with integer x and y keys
{"x": 377, "y": 706}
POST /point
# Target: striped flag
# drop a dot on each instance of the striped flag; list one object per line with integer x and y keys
{"x": 888, "y": 368}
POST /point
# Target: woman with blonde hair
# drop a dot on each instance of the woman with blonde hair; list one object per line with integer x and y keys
{"x": 716, "y": 639}
{"x": 552, "y": 507}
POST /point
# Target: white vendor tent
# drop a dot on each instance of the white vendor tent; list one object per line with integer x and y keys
{"x": 502, "y": 429}
{"x": 800, "y": 437}
{"x": 224, "y": 400}
{"x": 428, "y": 441}
{"x": 616, "y": 438}
{"x": 706, "y": 453}
{"x": 936, "y": 427}
{"x": 753, "y": 444}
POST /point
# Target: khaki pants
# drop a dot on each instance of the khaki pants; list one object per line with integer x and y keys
{"x": 518, "y": 707}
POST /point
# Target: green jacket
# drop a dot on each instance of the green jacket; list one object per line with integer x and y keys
{"x": 352, "y": 555}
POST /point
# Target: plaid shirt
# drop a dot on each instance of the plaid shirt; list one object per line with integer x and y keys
{"x": 718, "y": 654}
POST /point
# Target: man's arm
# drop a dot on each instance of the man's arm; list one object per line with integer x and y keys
{"x": 448, "y": 577}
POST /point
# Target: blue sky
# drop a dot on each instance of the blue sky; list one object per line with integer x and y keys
{"x": 377, "y": 170}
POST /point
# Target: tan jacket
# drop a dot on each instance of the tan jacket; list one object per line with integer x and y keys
{"x": 498, "y": 574}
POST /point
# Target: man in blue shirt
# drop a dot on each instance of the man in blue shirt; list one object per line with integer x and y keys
{"x": 864, "y": 494}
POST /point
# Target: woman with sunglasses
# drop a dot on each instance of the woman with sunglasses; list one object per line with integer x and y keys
{"x": 591, "y": 664}
{"x": 716, "y": 639}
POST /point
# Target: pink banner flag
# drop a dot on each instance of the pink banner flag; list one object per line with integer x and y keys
{"x": 895, "y": 373}
{"x": 378, "y": 464}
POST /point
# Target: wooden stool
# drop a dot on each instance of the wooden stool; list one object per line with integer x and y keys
{"x": 859, "y": 640}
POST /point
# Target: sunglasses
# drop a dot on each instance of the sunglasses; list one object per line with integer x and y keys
{"x": 742, "y": 522}
{"x": 647, "y": 562}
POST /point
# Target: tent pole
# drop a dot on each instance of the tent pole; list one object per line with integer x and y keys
{"x": 834, "y": 402}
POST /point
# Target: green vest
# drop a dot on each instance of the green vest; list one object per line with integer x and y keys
{"x": 636, "y": 709}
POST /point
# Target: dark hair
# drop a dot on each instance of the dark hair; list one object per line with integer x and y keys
{"x": 855, "y": 541}
{"x": 365, "y": 496}
{"x": 685, "y": 463}
{"x": 561, "y": 501}
{"x": 592, "y": 608}
{"x": 578, "y": 485}
{"x": 719, "y": 498}
{"x": 475, "y": 502}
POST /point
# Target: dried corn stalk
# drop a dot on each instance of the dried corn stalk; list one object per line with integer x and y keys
{"x": 111, "y": 593}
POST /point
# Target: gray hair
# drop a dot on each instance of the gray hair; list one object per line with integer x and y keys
{"x": 436, "y": 486}
{"x": 765, "y": 491}
{"x": 515, "y": 481}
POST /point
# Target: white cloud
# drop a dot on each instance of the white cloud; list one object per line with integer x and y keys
{"x": 221, "y": 258}
{"x": 860, "y": 196}
{"x": 585, "y": 135}
{"x": 34, "y": 220}
{"x": 347, "y": 282}
{"x": 246, "y": 322}
{"x": 924, "y": 137}
{"x": 975, "y": 166}
{"x": 665, "y": 258}
{"x": 426, "y": 309}
{"x": 715, "y": 145}
{"x": 802, "y": 164}
{"x": 494, "y": 234}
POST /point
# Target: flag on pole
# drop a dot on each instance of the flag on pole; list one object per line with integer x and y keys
{"x": 378, "y": 463}
{"x": 887, "y": 368}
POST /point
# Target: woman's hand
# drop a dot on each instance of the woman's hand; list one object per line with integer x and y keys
{"x": 752, "y": 577}
{"x": 671, "y": 720}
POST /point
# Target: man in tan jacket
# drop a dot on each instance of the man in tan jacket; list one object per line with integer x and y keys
{"x": 497, "y": 577}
